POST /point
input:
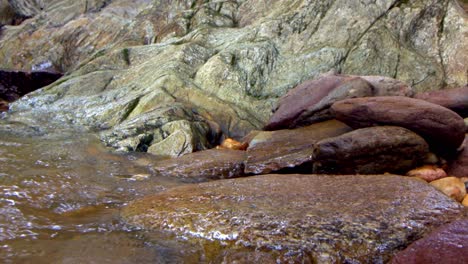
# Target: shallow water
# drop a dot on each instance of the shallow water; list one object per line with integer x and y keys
{"x": 59, "y": 203}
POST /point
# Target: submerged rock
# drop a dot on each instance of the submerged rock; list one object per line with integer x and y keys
{"x": 442, "y": 128}
{"x": 205, "y": 165}
{"x": 282, "y": 149}
{"x": 370, "y": 150}
{"x": 454, "y": 99}
{"x": 300, "y": 218}
{"x": 447, "y": 244}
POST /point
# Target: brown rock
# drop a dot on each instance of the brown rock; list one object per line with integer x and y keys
{"x": 385, "y": 86}
{"x": 369, "y": 151}
{"x": 453, "y": 99}
{"x": 3, "y": 105}
{"x": 230, "y": 143}
{"x": 310, "y": 101}
{"x": 452, "y": 187}
{"x": 276, "y": 150}
{"x": 459, "y": 165}
{"x": 448, "y": 245}
{"x": 465, "y": 200}
{"x": 14, "y": 84}
{"x": 299, "y": 218}
{"x": 442, "y": 128}
{"x": 428, "y": 173}
{"x": 204, "y": 165}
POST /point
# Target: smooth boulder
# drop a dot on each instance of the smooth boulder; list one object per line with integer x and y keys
{"x": 370, "y": 150}
{"x": 299, "y": 218}
{"x": 271, "y": 151}
{"x": 454, "y": 99}
{"x": 442, "y": 128}
{"x": 310, "y": 102}
{"x": 205, "y": 165}
{"x": 448, "y": 244}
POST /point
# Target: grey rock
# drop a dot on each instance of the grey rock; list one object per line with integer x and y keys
{"x": 299, "y": 218}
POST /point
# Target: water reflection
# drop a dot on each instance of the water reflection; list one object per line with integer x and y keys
{"x": 60, "y": 197}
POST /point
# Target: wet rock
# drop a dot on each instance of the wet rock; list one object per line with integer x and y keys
{"x": 370, "y": 150}
{"x": 14, "y": 84}
{"x": 442, "y": 128}
{"x": 230, "y": 143}
{"x": 428, "y": 173}
{"x": 452, "y": 187}
{"x": 3, "y": 105}
{"x": 447, "y": 244}
{"x": 310, "y": 101}
{"x": 465, "y": 200}
{"x": 300, "y": 218}
{"x": 459, "y": 165}
{"x": 205, "y": 165}
{"x": 454, "y": 99}
{"x": 281, "y": 149}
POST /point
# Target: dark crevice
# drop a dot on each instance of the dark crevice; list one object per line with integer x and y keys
{"x": 129, "y": 109}
{"x": 145, "y": 143}
{"x": 440, "y": 34}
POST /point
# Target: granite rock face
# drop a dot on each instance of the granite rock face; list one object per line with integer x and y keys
{"x": 448, "y": 244}
{"x": 442, "y": 128}
{"x": 371, "y": 150}
{"x": 225, "y": 61}
{"x": 300, "y": 218}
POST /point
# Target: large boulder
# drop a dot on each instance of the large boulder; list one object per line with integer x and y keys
{"x": 310, "y": 101}
{"x": 299, "y": 218}
{"x": 205, "y": 165}
{"x": 284, "y": 149}
{"x": 448, "y": 244}
{"x": 370, "y": 150}
{"x": 442, "y": 128}
{"x": 454, "y": 99}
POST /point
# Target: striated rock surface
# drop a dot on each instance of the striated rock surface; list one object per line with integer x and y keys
{"x": 459, "y": 165}
{"x": 454, "y": 99}
{"x": 448, "y": 244}
{"x": 300, "y": 218}
{"x": 282, "y": 149}
{"x": 205, "y": 165}
{"x": 370, "y": 150}
{"x": 235, "y": 56}
{"x": 442, "y": 128}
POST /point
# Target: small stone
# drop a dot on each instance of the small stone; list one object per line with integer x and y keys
{"x": 230, "y": 143}
{"x": 428, "y": 173}
{"x": 465, "y": 200}
{"x": 452, "y": 187}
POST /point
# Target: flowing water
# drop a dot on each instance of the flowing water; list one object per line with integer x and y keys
{"x": 59, "y": 203}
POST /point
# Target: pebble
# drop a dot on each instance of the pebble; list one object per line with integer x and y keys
{"x": 230, "y": 143}
{"x": 428, "y": 173}
{"x": 465, "y": 201}
{"x": 452, "y": 187}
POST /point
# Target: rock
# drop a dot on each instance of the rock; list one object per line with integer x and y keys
{"x": 428, "y": 173}
{"x": 459, "y": 165}
{"x": 230, "y": 143}
{"x": 385, "y": 86}
{"x": 447, "y": 244}
{"x": 3, "y": 106}
{"x": 169, "y": 131}
{"x": 14, "y": 84}
{"x": 370, "y": 150}
{"x": 440, "y": 127}
{"x": 300, "y": 218}
{"x": 310, "y": 101}
{"x": 454, "y": 99}
{"x": 451, "y": 186}
{"x": 465, "y": 200}
{"x": 204, "y": 165}
{"x": 283, "y": 149}
{"x": 226, "y": 61}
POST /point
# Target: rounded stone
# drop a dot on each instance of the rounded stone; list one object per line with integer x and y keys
{"x": 428, "y": 173}
{"x": 452, "y": 187}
